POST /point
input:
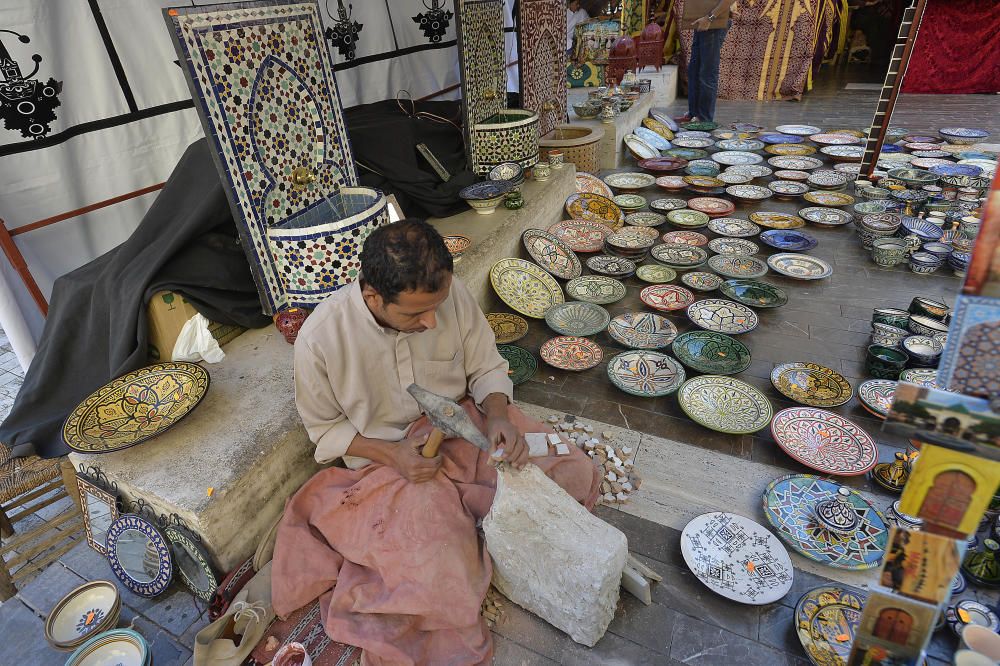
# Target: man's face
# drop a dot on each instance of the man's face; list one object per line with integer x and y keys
{"x": 412, "y": 312}
{"x": 574, "y": 6}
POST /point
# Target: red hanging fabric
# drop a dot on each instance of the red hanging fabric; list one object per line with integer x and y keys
{"x": 957, "y": 49}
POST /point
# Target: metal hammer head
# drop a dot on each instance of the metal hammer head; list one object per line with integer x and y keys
{"x": 448, "y": 416}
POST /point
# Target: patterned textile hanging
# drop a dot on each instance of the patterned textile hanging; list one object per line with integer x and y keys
{"x": 634, "y": 13}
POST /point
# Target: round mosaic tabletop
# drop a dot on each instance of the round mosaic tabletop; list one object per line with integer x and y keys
{"x": 596, "y": 289}
{"x": 788, "y": 505}
{"x": 525, "y": 287}
{"x": 826, "y": 619}
{"x": 581, "y": 235}
{"x": 552, "y": 254}
{"x": 824, "y": 441}
{"x": 711, "y": 353}
{"x": 722, "y": 316}
{"x": 577, "y": 318}
{"x": 645, "y": 373}
{"x": 737, "y": 265}
{"x": 591, "y": 184}
{"x": 568, "y": 352}
{"x": 642, "y": 330}
{"x": 595, "y": 208}
{"x": 799, "y": 266}
{"x": 507, "y": 327}
{"x": 522, "y": 364}
{"x": 811, "y": 384}
{"x": 725, "y": 404}
{"x": 701, "y": 280}
{"x": 666, "y": 297}
{"x": 655, "y": 273}
{"x": 737, "y": 558}
{"x": 876, "y": 396}
{"x": 733, "y": 227}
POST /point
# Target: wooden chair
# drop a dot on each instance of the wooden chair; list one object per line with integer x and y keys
{"x": 23, "y": 480}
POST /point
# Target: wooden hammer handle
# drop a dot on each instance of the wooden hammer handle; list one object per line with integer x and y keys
{"x": 433, "y": 443}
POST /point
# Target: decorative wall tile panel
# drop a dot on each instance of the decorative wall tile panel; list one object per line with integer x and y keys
{"x": 542, "y": 55}
{"x": 481, "y": 55}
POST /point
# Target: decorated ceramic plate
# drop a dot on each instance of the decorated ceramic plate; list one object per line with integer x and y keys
{"x": 737, "y": 158}
{"x": 826, "y": 217}
{"x": 671, "y": 182}
{"x": 795, "y": 163}
{"x": 826, "y": 620}
{"x": 931, "y": 162}
{"x": 733, "y": 178}
{"x": 827, "y": 179}
{"x": 685, "y": 238}
{"x": 722, "y": 316}
{"x": 640, "y": 149}
{"x": 742, "y": 145}
{"x": 577, "y": 318}
{"x": 665, "y": 120}
{"x": 88, "y": 610}
{"x": 692, "y": 142}
{"x": 789, "y": 240}
{"x": 701, "y": 281}
{"x": 688, "y": 219}
{"x": 590, "y": 184}
{"x": 645, "y": 219}
{"x": 749, "y": 192}
{"x": 777, "y": 137}
{"x": 457, "y": 244}
{"x": 737, "y": 266}
{"x": 652, "y": 138}
{"x": 787, "y": 188}
{"x": 798, "y": 130}
{"x": 692, "y": 134}
{"x": 811, "y": 384}
{"x": 712, "y": 206}
{"x": 725, "y": 404}
{"x": 792, "y": 175}
{"x": 666, "y": 297}
{"x": 777, "y": 220}
{"x": 629, "y": 202}
{"x": 120, "y": 647}
{"x": 825, "y": 198}
{"x": 753, "y": 293}
{"x": 667, "y": 205}
{"x": 737, "y": 558}
{"x": 752, "y": 170}
{"x": 733, "y": 227}
{"x": 568, "y": 352}
{"x": 956, "y": 170}
{"x": 655, "y": 273}
{"x": 876, "y": 396}
{"x": 645, "y": 373}
{"x": 848, "y": 167}
{"x": 679, "y": 255}
{"x": 525, "y": 287}
{"x": 520, "y": 361}
{"x": 658, "y": 127}
{"x": 606, "y": 264}
{"x": 595, "y": 208}
{"x": 790, "y": 149}
{"x": 552, "y": 254}
{"x": 135, "y": 407}
{"x": 642, "y": 330}
{"x": 926, "y": 377}
{"x": 789, "y": 507}
{"x": 507, "y": 327}
{"x": 844, "y": 153}
{"x": 735, "y": 246}
{"x": 581, "y": 235}
{"x": 711, "y": 353}
{"x": 799, "y": 266}
{"x": 629, "y": 181}
{"x": 835, "y": 139}
{"x": 597, "y": 289}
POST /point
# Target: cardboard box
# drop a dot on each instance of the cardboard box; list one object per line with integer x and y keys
{"x": 167, "y": 313}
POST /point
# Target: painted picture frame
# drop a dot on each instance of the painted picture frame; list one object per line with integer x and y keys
{"x": 921, "y": 565}
{"x": 893, "y": 630}
{"x": 946, "y": 418}
{"x": 192, "y": 561}
{"x": 100, "y": 504}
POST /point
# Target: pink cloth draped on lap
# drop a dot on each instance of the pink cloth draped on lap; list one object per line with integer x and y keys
{"x": 399, "y": 567}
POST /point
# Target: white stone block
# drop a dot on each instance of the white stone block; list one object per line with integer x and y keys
{"x": 554, "y": 439}
{"x": 562, "y": 449}
{"x": 538, "y": 446}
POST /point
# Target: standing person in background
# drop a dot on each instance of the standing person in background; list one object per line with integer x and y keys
{"x": 710, "y": 28}
{"x": 575, "y": 15}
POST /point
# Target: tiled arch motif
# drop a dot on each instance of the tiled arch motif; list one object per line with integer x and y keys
{"x": 542, "y": 60}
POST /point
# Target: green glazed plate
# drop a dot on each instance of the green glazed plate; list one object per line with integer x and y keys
{"x": 712, "y": 353}
{"x": 655, "y": 274}
{"x": 686, "y": 153}
{"x": 725, "y": 404}
{"x": 754, "y": 293}
{"x": 522, "y": 363}
{"x": 688, "y": 219}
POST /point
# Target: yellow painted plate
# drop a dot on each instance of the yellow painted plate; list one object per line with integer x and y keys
{"x": 790, "y": 149}
{"x": 595, "y": 208}
{"x": 507, "y": 327}
{"x": 658, "y": 127}
{"x": 525, "y": 287}
{"x": 135, "y": 407}
{"x": 825, "y": 198}
{"x": 777, "y": 220}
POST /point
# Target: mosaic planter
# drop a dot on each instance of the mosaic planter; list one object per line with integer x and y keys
{"x": 509, "y": 136}
{"x": 578, "y": 144}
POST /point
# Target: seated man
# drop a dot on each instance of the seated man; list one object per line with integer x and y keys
{"x": 395, "y": 534}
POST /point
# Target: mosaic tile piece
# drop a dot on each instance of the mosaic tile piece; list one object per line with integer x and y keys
{"x": 542, "y": 60}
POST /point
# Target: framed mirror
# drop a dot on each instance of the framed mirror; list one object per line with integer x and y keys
{"x": 140, "y": 555}
{"x": 100, "y": 504}
{"x": 191, "y": 560}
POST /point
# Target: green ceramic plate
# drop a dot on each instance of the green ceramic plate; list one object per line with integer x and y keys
{"x": 725, "y": 404}
{"x": 655, "y": 274}
{"x": 577, "y": 318}
{"x": 712, "y": 353}
{"x": 522, "y": 363}
{"x": 754, "y": 293}
{"x": 688, "y": 219}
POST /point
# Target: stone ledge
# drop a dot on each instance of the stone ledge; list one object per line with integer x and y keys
{"x": 612, "y": 152}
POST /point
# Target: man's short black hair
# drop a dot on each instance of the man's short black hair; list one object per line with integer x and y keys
{"x": 407, "y": 255}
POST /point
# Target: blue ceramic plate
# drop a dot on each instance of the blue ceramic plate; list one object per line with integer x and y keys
{"x": 926, "y": 231}
{"x": 789, "y": 240}
{"x": 781, "y": 138}
{"x": 487, "y": 189}
{"x": 652, "y": 138}
{"x": 889, "y": 148}
{"x": 956, "y": 170}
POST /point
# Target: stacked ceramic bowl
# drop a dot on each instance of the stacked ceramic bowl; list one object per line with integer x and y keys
{"x": 863, "y": 208}
{"x": 928, "y": 307}
{"x": 959, "y": 262}
{"x": 892, "y": 317}
{"x": 924, "y": 351}
{"x": 924, "y": 325}
{"x": 631, "y": 242}
{"x": 85, "y": 612}
{"x": 877, "y": 225}
{"x": 924, "y": 262}
{"x": 121, "y": 647}
{"x": 888, "y": 335}
{"x": 889, "y": 251}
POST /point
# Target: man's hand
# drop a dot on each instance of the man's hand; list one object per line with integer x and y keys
{"x": 504, "y": 435}
{"x": 411, "y": 465}
{"x": 702, "y": 23}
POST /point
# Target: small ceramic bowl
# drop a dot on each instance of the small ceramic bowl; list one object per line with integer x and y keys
{"x": 888, "y": 336}
{"x": 923, "y": 351}
{"x": 888, "y": 251}
{"x": 959, "y": 262}
{"x": 938, "y": 249}
{"x": 891, "y": 316}
{"x": 885, "y": 362}
{"x": 485, "y": 206}
{"x": 920, "y": 325}
{"x": 924, "y": 263}
{"x": 586, "y": 111}
{"x": 874, "y": 193}
{"x": 928, "y": 307}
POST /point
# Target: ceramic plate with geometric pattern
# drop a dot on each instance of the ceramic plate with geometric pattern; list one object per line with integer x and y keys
{"x": 734, "y": 246}
{"x": 135, "y": 407}
{"x": 645, "y": 219}
{"x": 642, "y": 330}
{"x": 629, "y": 181}
{"x": 737, "y": 266}
{"x": 606, "y": 264}
{"x": 811, "y": 384}
{"x": 644, "y": 373}
{"x": 666, "y": 297}
{"x": 581, "y": 235}
{"x": 790, "y": 149}
{"x": 685, "y": 238}
{"x": 591, "y": 184}
{"x": 773, "y": 220}
{"x": 826, "y": 620}
{"x": 569, "y": 352}
{"x": 737, "y": 558}
{"x": 595, "y": 208}
{"x": 712, "y": 353}
{"x": 722, "y": 316}
{"x": 827, "y": 198}
{"x": 824, "y": 441}
{"x": 876, "y": 396}
{"x": 725, "y": 404}
{"x": 733, "y": 227}
{"x": 827, "y": 217}
{"x": 521, "y": 363}
{"x": 795, "y": 163}
{"x": 552, "y": 254}
{"x": 798, "y": 130}
{"x": 507, "y": 327}
{"x": 655, "y": 273}
{"x": 596, "y": 289}
{"x": 679, "y": 255}
{"x": 799, "y": 266}
{"x": 788, "y": 505}
{"x": 754, "y": 293}
{"x": 525, "y": 287}
{"x": 577, "y": 318}
{"x": 688, "y": 219}
{"x": 701, "y": 281}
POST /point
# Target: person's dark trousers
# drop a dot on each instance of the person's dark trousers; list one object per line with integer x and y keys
{"x": 703, "y": 72}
